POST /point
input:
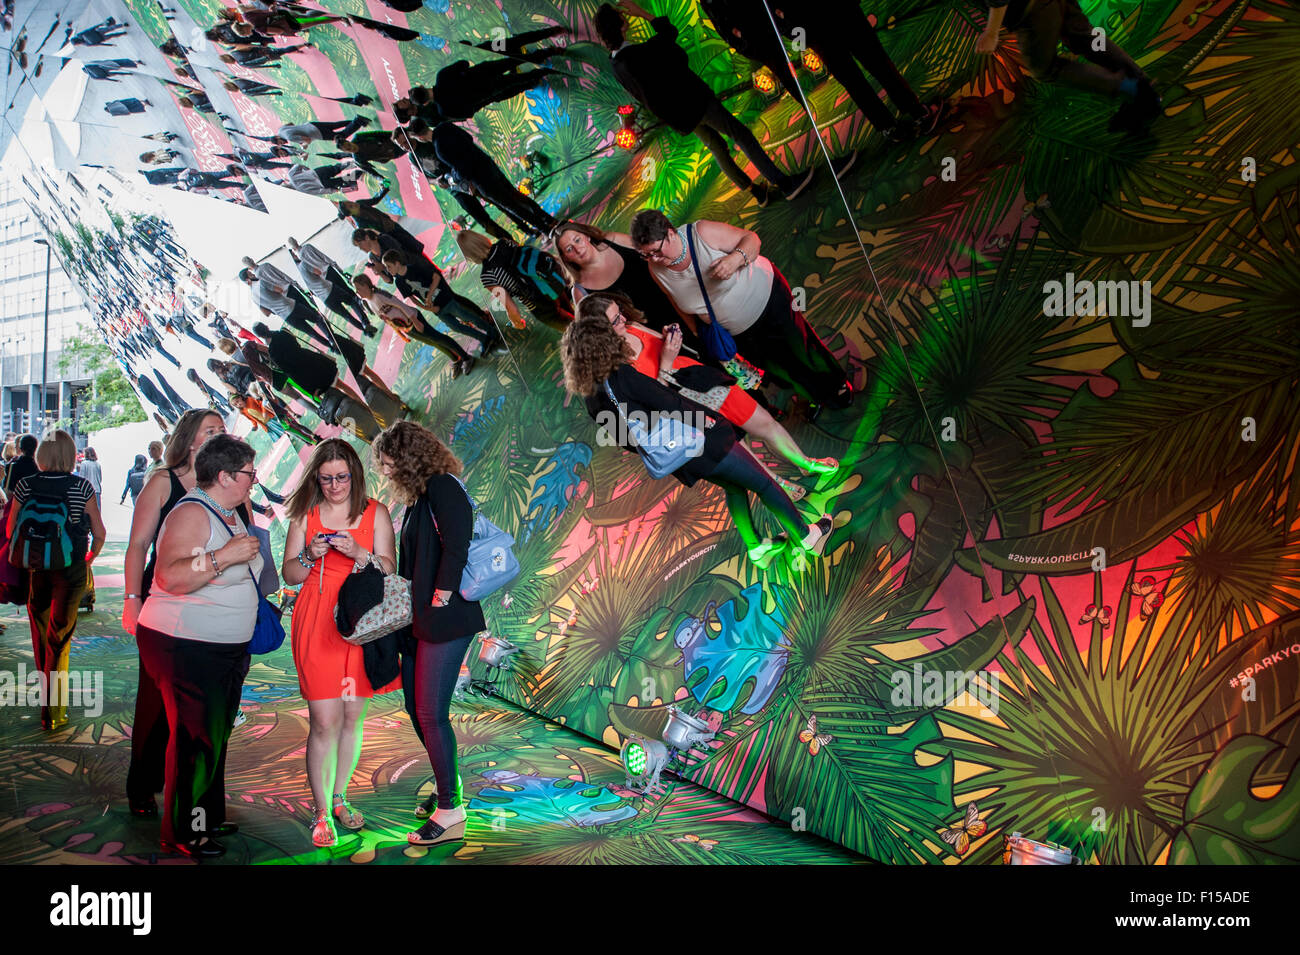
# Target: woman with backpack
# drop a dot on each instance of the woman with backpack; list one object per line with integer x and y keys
{"x": 53, "y": 513}
{"x": 434, "y": 548}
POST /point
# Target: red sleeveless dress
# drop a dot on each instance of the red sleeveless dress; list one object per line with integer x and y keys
{"x": 328, "y": 666}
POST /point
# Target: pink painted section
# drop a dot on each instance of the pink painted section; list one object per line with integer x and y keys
{"x": 388, "y": 355}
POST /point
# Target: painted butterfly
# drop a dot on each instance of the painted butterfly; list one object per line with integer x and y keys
{"x": 814, "y": 739}
{"x": 961, "y": 834}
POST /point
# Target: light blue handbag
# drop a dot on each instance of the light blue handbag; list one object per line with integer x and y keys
{"x": 491, "y": 563}
{"x": 665, "y": 447}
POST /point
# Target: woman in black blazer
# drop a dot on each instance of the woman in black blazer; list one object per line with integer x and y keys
{"x": 433, "y": 549}
{"x": 595, "y": 356}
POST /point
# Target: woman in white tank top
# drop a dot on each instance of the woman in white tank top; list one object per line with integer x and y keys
{"x": 749, "y": 298}
{"x": 193, "y": 634}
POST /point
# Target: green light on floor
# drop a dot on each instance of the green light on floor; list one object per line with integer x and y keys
{"x": 635, "y": 759}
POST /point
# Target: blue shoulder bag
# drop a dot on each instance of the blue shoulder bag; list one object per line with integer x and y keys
{"x": 491, "y": 563}
{"x": 665, "y": 447}
{"x": 268, "y": 632}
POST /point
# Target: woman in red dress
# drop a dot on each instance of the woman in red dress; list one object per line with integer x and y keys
{"x": 658, "y": 355}
{"x": 334, "y": 529}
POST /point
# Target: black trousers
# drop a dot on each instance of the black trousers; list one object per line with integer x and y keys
{"x": 307, "y": 320}
{"x": 146, "y": 774}
{"x": 469, "y": 202}
{"x": 200, "y": 685}
{"x": 342, "y": 301}
{"x": 786, "y": 347}
{"x": 477, "y": 168}
{"x": 843, "y": 49}
{"x": 52, "y": 602}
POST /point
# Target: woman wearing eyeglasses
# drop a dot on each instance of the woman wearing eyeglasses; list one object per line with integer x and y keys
{"x": 659, "y": 356}
{"x": 193, "y": 633}
{"x": 599, "y": 261}
{"x": 745, "y": 294}
{"x": 598, "y": 367}
{"x": 334, "y": 529}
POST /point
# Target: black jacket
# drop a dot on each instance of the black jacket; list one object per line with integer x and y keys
{"x": 311, "y": 370}
{"x": 638, "y": 392}
{"x": 658, "y": 74}
{"x": 433, "y": 558}
{"x": 359, "y": 593}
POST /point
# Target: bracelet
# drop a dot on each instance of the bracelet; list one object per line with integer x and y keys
{"x": 131, "y": 597}
{"x": 212, "y": 555}
{"x": 361, "y": 564}
{"x": 742, "y": 255}
{"x": 308, "y": 563}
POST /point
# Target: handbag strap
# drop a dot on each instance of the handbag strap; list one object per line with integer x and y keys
{"x": 627, "y": 428}
{"x": 222, "y": 521}
{"x": 695, "y": 266}
{"x": 473, "y": 506}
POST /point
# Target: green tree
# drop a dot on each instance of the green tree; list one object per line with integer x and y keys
{"x": 112, "y": 400}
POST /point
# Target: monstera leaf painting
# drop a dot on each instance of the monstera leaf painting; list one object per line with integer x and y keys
{"x": 546, "y": 800}
{"x": 750, "y": 647}
{"x": 555, "y": 486}
{"x": 1224, "y": 823}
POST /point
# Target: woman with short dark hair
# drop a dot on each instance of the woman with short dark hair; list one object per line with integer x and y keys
{"x": 436, "y": 531}
{"x": 194, "y": 633}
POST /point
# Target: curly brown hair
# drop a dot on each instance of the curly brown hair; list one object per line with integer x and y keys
{"x": 417, "y": 455}
{"x": 590, "y": 350}
{"x": 308, "y": 493}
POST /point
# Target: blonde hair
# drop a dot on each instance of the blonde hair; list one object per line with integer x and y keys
{"x": 474, "y": 246}
{"x": 57, "y": 452}
{"x": 10, "y": 451}
{"x": 227, "y": 345}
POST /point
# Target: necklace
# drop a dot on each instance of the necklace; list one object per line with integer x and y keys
{"x": 226, "y": 512}
{"x": 681, "y": 238}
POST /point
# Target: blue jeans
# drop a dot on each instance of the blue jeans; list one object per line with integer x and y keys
{"x": 436, "y": 667}
{"x": 738, "y": 474}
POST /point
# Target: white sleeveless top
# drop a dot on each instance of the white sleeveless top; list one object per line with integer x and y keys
{"x": 223, "y": 610}
{"x": 737, "y": 301}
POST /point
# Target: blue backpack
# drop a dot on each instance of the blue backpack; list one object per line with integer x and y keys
{"x": 41, "y": 538}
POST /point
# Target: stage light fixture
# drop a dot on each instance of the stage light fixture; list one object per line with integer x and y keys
{"x": 495, "y": 652}
{"x": 813, "y": 63}
{"x": 526, "y": 186}
{"x": 627, "y": 136}
{"x": 643, "y": 760}
{"x": 765, "y": 81}
{"x": 684, "y": 731}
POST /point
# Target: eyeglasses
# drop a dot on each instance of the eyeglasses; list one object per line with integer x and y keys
{"x": 252, "y": 475}
{"x": 328, "y": 479}
{"x": 655, "y": 253}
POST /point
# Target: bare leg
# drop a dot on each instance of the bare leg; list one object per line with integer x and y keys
{"x": 773, "y": 434}
{"x": 323, "y": 735}
{"x": 349, "y": 743}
